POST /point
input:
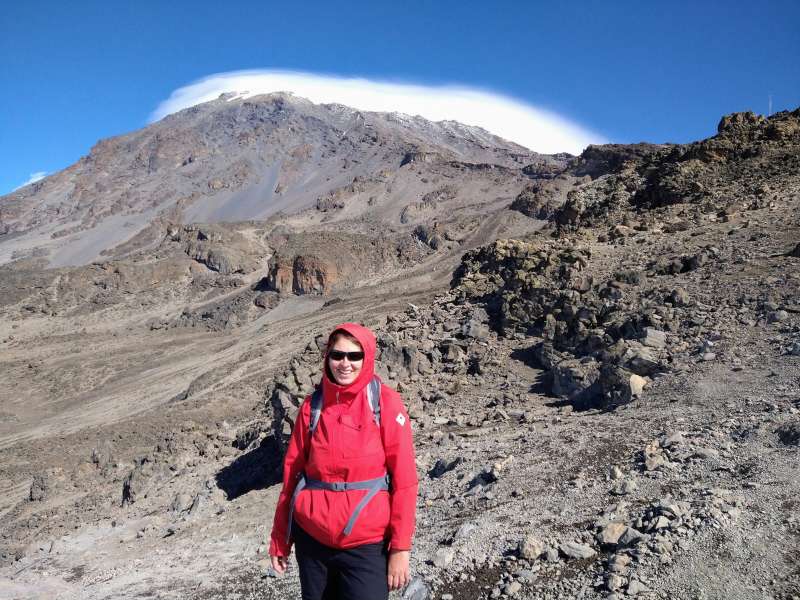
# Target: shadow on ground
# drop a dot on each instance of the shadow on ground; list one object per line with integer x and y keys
{"x": 256, "y": 470}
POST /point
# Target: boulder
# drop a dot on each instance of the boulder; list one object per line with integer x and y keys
{"x": 575, "y": 378}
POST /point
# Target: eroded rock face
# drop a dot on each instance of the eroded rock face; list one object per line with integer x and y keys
{"x": 323, "y": 261}
{"x": 743, "y": 167}
{"x": 223, "y": 250}
{"x": 302, "y": 275}
{"x": 542, "y": 199}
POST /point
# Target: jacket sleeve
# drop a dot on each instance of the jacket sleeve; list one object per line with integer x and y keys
{"x": 293, "y": 464}
{"x": 398, "y": 446}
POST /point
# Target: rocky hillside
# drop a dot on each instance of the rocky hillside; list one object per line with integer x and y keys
{"x": 234, "y": 160}
{"x": 600, "y": 356}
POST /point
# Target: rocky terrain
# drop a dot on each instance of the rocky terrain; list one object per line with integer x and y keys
{"x": 600, "y": 355}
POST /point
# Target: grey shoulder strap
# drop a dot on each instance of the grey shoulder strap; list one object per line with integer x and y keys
{"x": 316, "y": 409}
{"x": 374, "y": 396}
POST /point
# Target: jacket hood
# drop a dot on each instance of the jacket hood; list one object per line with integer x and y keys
{"x": 346, "y": 393}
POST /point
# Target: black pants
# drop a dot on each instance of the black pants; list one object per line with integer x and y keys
{"x": 330, "y": 574}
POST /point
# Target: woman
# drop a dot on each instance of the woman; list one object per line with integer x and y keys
{"x": 353, "y": 539}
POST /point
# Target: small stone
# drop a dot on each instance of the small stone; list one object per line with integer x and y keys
{"x": 610, "y": 534}
{"x": 530, "y": 548}
{"x": 708, "y": 356}
{"x": 182, "y": 503}
{"x": 637, "y": 384}
{"x": 443, "y": 557}
{"x": 632, "y": 536}
{"x": 654, "y": 338}
{"x": 661, "y": 522}
{"x": 672, "y": 439}
{"x": 619, "y": 563}
{"x": 705, "y": 453}
{"x": 614, "y": 582}
{"x": 464, "y": 530}
{"x": 624, "y": 488}
{"x": 513, "y": 588}
{"x": 416, "y": 590}
{"x": 574, "y": 550}
{"x": 38, "y": 489}
{"x": 654, "y": 462}
{"x": 636, "y": 587}
{"x": 777, "y": 316}
{"x": 616, "y": 473}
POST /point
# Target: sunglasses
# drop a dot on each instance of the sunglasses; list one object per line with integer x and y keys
{"x": 338, "y": 355}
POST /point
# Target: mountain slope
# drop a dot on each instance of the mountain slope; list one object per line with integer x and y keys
{"x": 235, "y": 160}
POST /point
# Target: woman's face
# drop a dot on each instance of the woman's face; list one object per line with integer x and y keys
{"x": 344, "y": 370}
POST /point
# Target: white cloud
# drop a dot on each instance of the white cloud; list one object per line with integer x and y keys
{"x": 532, "y": 127}
{"x": 32, "y": 179}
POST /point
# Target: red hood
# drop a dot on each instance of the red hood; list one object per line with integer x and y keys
{"x": 348, "y": 392}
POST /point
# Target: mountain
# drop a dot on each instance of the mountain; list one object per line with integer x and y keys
{"x": 239, "y": 159}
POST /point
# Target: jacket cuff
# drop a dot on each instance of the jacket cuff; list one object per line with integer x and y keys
{"x": 278, "y": 549}
{"x": 400, "y": 544}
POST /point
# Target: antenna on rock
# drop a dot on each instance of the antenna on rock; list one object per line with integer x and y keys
{"x": 769, "y": 113}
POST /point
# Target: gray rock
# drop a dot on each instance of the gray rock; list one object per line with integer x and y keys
{"x": 619, "y": 563}
{"x": 181, "y": 503}
{"x": 789, "y": 433}
{"x": 102, "y": 456}
{"x": 654, "y": 462}
{"x": 705, "y": 453}
{"x": 610, "y": 534}
{"x": 443, "y": 557}
{"x": 513, "y": 588}
{"x": 525, "y": 575}
{"x": 530, "y": 548}
{"x": 38, "y": 489}
{"x": 672, "y": 439}
{"x": 574, "y": 550}
{"x": 623, "y": 488}
{"x": 614, "y": 582}
{"x": 574, "y": 377}
{"x": 417, "y": 590}
{"x": 777, "y": 316}
{"x": 632, "y": 537}
{"x": 636, "y": 587}
{"x": 654, "y": 338}
{"x": 465, "y": 530}
{"x": 475, "y": 329}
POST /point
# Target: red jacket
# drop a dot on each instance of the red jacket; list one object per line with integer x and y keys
{"x": 348, "y": 446}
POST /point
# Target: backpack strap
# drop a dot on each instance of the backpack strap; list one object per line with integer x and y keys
{"x": 316, "y": 410}
{"x": 374, "y": 397}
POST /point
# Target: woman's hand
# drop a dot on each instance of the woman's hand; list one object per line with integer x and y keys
{"x": 279, "y": 563}
{"x": 398, "y": 569}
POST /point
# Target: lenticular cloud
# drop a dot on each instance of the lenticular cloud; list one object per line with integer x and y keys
{"x": 534, "y": 128}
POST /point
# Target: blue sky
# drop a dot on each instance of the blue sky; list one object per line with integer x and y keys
{"x": 73, "y": 73}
